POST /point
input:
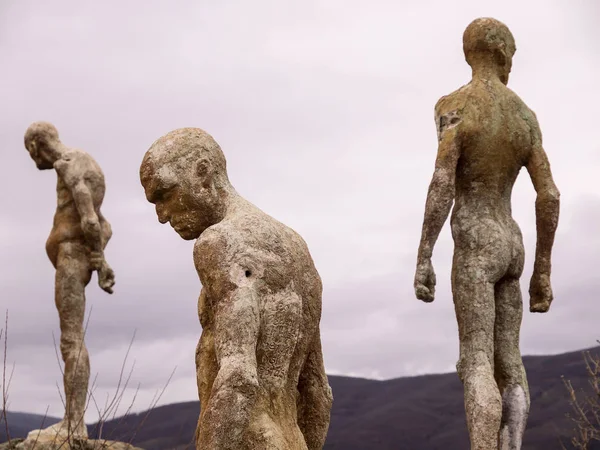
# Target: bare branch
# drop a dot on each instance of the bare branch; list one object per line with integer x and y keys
{"x": 586, "y": 406}
{"x": 153, "y": 404}
{"x": 4, "y": 386}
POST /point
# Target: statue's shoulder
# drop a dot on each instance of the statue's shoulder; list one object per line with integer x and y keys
{"x": 519, "y": 107}
{"x": 224, "y": 251}
{"x": 522, "y": 107}
{"x": 73, "y": 160}
{"x": 216, "y": 243}
{"x": 208, "y": 248}
{"x": 455, "y": 101}
{"x": 69, "y": 168}
{"x": 214, "y": 235}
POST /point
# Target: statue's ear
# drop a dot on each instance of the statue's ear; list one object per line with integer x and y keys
{"x": 500, "y": 54}
{"x": 204, "y": 172}
{"x": 32, "y": 146}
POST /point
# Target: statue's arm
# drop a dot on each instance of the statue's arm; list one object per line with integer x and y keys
{"x": 236, "y": 325}
{"x": 439, "y": 200}
{"x": 90, "y": 223}
{"x": 547, "y": 208}
{"x": 315, "y": 398}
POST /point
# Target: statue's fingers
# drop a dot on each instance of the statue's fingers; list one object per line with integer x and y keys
{"x": 106, "y": 284}
{"x": 539, "y": 307}
{"x": 423, "y": 293}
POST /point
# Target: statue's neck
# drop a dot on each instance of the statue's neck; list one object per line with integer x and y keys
{"x": 234, "y": 202}
{"x": 486, "y": 73}
{"x": 57, "y": 151}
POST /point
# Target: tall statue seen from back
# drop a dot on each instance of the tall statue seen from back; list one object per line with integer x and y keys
{"x": 260, "y": 372}
{"x": 486, "y": 135}
{"x": 76, "y": 249}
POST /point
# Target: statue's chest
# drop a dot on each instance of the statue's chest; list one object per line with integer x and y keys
{"x": 63, "y": 195}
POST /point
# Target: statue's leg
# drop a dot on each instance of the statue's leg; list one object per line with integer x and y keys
{"x": 510, "y": 373}
{"x": 72, "y": 276}
{"x": 474, "y": 304}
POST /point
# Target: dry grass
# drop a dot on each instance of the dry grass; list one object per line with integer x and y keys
{"x": 106, "y": 412}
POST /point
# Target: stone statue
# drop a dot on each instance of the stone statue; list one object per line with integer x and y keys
{"x": 486, "y": 134}
{"x": 76, "y": 249}
{"x": 261, "y": 378}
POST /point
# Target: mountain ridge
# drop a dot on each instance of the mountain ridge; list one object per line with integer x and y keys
{"x": 421, "y": 412}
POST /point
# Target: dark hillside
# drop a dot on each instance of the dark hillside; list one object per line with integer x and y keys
{"x": 416, "y": 413}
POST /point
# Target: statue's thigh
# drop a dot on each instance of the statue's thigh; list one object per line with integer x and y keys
{"x": 509, "y": 315}
{"x": 72, "y": 276}
{"x": 473, "y": 295}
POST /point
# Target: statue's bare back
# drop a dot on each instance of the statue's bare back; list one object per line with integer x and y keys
{"x": 492, "y": 157}
{"x": 490, "y": 161}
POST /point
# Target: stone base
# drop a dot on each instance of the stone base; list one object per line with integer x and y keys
{"x": 56, "y": 435}
{"x": 44, "y": 442}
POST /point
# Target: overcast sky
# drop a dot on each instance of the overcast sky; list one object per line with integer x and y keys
{"x": 324, "y": 110}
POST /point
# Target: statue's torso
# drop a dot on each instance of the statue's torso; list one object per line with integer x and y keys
{"x": 67, "y": 221}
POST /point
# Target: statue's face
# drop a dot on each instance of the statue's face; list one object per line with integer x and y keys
{"x": 179, "y": 199}
{"x": 40, "y": 154}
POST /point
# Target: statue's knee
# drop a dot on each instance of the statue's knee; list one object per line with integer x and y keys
{"x": 510, "y": 365}
{"x": 516, "y": 400}
{"x": 471, "y": 362}
{"x": 329, "y": 396}
{"x": 70, "y": 344}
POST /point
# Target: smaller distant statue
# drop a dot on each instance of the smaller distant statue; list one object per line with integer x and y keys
{"x": 486, "y": 135}
{"x": 76, "y": 249}
{"x": 261, "y": 378}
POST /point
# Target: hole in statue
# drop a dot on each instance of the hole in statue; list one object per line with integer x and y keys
{"x": 248, "y": 273}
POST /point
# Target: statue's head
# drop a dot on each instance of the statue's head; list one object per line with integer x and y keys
{"x": 184, "y": 175}
{"x": 488, "y": 42}
{"x": 41, "y": 139}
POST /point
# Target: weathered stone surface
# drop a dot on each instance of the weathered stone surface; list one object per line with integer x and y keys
{"x": 76, "y": 249}
{"x": 49, "y": 442}
{"x": 486, "y": 135}
{"x": 260, "y": 372}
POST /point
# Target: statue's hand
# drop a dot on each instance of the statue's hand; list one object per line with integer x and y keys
{"x": 540, "y": 293}
{"x": 106, "y": 277}
{"x": 425, "y": 281}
